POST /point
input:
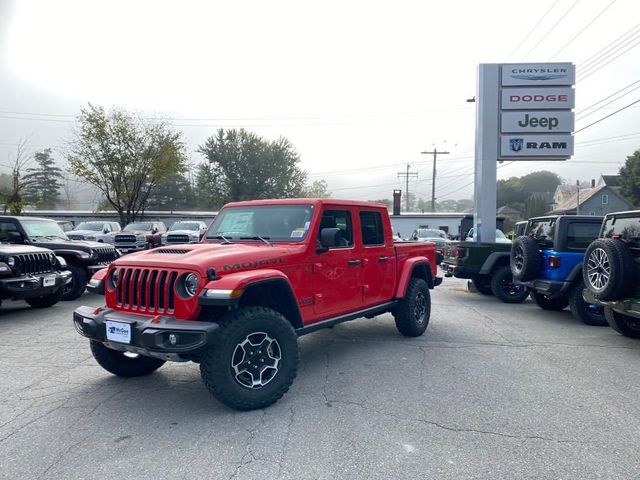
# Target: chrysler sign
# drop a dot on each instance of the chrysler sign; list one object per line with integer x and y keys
{"x": 538, "y": 74}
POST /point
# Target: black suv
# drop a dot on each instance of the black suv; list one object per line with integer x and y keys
{"x": 83, "y": 258}
{"x": 32, "y": 274}
{"x": 610, "y": 271}
{"x": 547, "y": 260}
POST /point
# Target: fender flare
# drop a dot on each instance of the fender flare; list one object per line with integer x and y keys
{"x": 231, "y": 289}
{"x": 491, "y": 261}
{"x": 423, "y": 266}
{"x": 72, "y": 254}
{"x": 575, "y": 272}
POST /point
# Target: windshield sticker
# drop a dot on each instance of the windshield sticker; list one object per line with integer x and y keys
{"x": 306, "y": 226}
{"x": 298, "y": 233}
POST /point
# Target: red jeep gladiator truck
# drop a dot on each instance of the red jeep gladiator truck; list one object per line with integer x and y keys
{"x": 265, "y": 273}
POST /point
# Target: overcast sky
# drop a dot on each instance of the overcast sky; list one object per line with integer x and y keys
{"x": 360, "y": 88}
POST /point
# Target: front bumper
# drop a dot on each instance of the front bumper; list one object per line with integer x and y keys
{"x": 546, "y": 287}
{"x": 628, "y": 306}
{"x": 25, "y": 287}
{"x": 150, "y": 334}
{"x": 131, "y": 247}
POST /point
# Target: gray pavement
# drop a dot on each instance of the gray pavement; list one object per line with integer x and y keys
{"x": 491, "y": 391}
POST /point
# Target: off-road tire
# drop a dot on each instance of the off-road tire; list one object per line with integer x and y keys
{"x": 608, "y": 269}
{"x": 217, "y": 364}
{"x": 414, "y": 309}
{"x": 116, "y": 362}
{"x": 46, "y": 300}
{"x": 482, "y": 284}
{"x": 589, "y": 314}
{"x": 524, "y": 258}
{"x": 78, "y": 283}
{"x": 550, "y": 303}
{"x": 504, "y": 289}
{"x": 624, "y": 324}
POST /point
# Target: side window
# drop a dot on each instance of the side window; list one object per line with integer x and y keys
{"x": 9, "y": 233}
{"x": 340, "y": 219}
{"x": 580, "y": 235}
{"x": 371, "y": 227}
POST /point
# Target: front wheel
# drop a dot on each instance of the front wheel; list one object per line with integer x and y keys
{"x": 549, "y": 303}
{"x": 77, "y": 284}
{"x": 504, "y": 289}
{"x": 254, "y": 359}
{"x": 124, "y": 364}
{"x": 625, "y": 324}
{"x": 414, "y": 309}
{"x": 589, "y": 314}
{"x": 46, "y": 300}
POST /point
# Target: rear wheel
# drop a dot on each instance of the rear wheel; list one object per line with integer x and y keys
{"x": 524, "y": 258}
{"x": 504, "y": 289}
{"x": 546, "y": 302}
{"x": 77, "y": 284}
{"x": 124, "y": 364}
{"x": 590, "y": 314}
{"x": 254, "y": 359}
{"x": 482, "y": 284}
{"x": 46, "y": 300}
{"x": 413, "y": 311}
{"x": 625, "y": 324}
{"x": 609, "y": 270}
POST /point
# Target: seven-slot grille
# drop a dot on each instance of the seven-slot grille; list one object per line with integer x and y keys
{"x": 106, "y": 254}
{"x": 177, "y": 238}
{"x": 125, "y": 239}
{"x": 150, "y": 290}
{"x": 73, "y": 236}
{"x": 33, "y": 263}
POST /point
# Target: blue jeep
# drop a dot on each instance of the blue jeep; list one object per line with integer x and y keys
{"x": 547, "y": 260}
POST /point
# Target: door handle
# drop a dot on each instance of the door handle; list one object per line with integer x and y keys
{"x": 383, "y": 259}
{"x": 353, "y": 263}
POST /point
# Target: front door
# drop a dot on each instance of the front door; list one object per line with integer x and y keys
{"x": 337, "y": 272}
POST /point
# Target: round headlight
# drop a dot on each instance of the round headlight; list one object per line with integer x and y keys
{"x": 11, "y": 262}
{"x": 191, "y": 284}
{"x": 52, "y": 259}
{"x": 114, "y": 278}
{"x": 94, "y": 254}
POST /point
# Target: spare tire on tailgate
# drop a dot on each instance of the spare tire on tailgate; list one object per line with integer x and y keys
{"x": 609, "y": 270}
{"x": 525, "y": 258}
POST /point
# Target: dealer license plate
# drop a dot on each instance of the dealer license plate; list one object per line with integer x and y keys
{"x": 48, "y": 281}
{"x": 118, "y": 331}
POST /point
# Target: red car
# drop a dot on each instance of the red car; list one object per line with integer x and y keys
{"x": 267, "y": 272}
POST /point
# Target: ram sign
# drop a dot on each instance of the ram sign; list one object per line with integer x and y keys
{"x": 530, "y": 146}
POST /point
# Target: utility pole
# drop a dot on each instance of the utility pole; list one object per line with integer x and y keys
{"x": 435, "y": 153}
{"x": 406, "y": 175}
{"x": 577, "y": 197}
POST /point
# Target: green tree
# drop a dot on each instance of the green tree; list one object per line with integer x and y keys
{"x": 124, "y": 157}
{"x": 630, "y": 178}
{"x": 317, "y": 189}
{"x": 388, "y": 202}
{"x": 173, "y": 192}
{"x": 535, "y": 206}
{"x": 252, "y": 167}
{"x": 42, "y": 183}
{"x": 14, "y": 196}
{"x": 212, "y": 192}
{"x": 515, "y": 191}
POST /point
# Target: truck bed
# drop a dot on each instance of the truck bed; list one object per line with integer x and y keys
{"x": 409, "y": 249}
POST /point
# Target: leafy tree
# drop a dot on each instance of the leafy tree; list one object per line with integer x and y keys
{"x": 317, "y": 189}
{"x": 42, "y": 183}
{"x": 173, "y": 192}
{"x": 515, "y": 191}
{"x": 124, "y": 157}
{"x": 212, "y": 192}
{"x": 464, "y": 204}
{"x": 630, "y": 178}
{"x": 14, "y": 196}
{"x": 447, "y": 206}
{"x": 251, "y": 167}
{"x": 535, "y": 206}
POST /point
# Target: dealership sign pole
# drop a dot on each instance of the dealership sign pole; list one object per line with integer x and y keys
{"x": 524, "y": 111}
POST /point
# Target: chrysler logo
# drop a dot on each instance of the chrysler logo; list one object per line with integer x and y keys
{"x": 539, "y": 77}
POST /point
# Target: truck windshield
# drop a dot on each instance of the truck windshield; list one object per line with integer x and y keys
{"x": 185, "y": 226}
{"x": 94, "y": 227}
{"x": 284, "y": 223}
{"x": 422, "y": 233}
{"x": 132, "y": 227}
{"x": 43, "y": 228}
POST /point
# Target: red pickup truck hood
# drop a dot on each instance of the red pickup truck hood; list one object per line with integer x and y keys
{"x": 222, "y": 257}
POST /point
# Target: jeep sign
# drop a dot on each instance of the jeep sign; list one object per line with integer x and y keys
{"x": 519, "y": 74}
{"x": 537, "y": 121}
{"x": 538, "y": 98}
{"x": 536, "y": 146}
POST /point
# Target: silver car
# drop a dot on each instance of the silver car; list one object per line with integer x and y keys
{"x": 184, "y": 232}
{"x": 96, "y": 231}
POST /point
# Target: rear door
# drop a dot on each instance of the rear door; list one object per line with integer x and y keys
{"x": 337, "y": 277}
{"x": 378, "y": 259}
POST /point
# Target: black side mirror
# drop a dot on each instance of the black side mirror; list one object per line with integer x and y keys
{"x": 15, "y": 237}
{"x": 329, "y": 237}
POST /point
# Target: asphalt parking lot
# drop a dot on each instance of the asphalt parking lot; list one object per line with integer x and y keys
{"x": 490, "y": 391}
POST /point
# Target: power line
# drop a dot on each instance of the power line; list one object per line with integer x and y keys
{"x": 580, "y": 117}
{"x": 526, "y": 37}
{"x": 435, "y": 153}
{"x": 584, "y": 75}
{"x": 607, "y": 116}
{"x": 560, "y": 19}
{"x": 607, "y": 97}
{"x": 612, "y": 45}
{"x": 583, "y": 29}
{"x": 406, "y": 175}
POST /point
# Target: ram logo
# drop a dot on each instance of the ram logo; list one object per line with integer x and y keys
{"x": 516, "y": 144}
